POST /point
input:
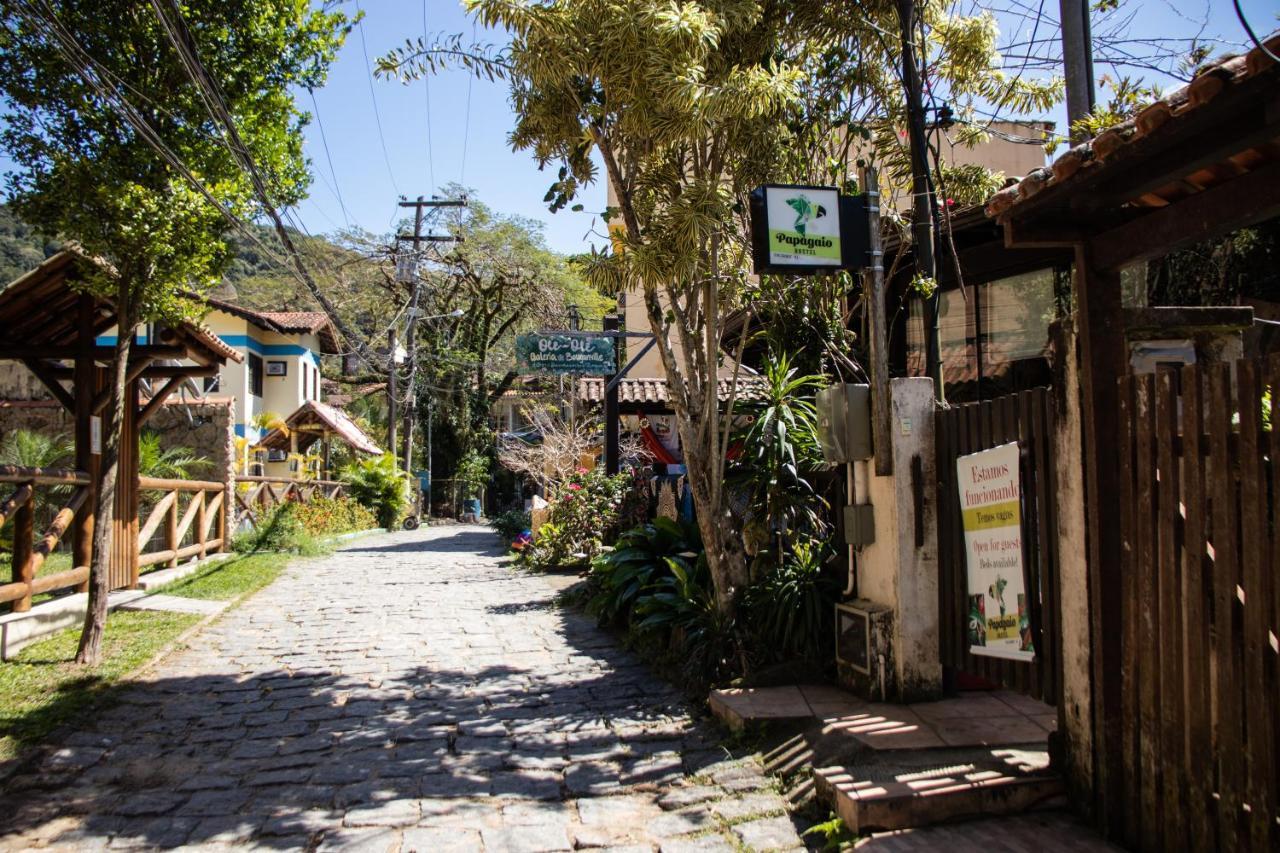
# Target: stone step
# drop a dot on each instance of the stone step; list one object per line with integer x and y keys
{"x": 893, "y": 791}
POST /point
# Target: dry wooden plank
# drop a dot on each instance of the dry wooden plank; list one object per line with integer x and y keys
{"x": 23, "y": 546}
{"x": 1128, "y": 785}
{"x": 1196, "y": 639}
{"x": 157, "y": 515}
{"x": 43, "y": 476}
{"x": 1148, "y": 615}
{"x": 1226, "y": 687}
{"x": 171, "y": 529}
{"x": 1257, "y": 645}
{"x": 194, "y": 507}
{"x": 60, "y": 580}
{"x": 1169, "y": 639}
{"x": 158, "y": 484}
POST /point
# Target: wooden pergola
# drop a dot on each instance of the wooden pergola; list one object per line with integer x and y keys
{"x": 1200, "y": 163}
{"x": 52, "y": 327}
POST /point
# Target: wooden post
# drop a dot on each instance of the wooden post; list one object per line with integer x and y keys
{"x": 873, "y": 286}
{"x": 124, "y": 545}
{"x": 85, "y": 388}
{"x": 1102, "y": 362}
{"x": 171, "y": 533}
{"x": 201, "y": 538}
{"x": 228, "y": 499}
{"x": 23, "y": 539}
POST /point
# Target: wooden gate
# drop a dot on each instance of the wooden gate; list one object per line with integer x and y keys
{"x": 1025, "y": 417}
{"x": 1199, "y": 720}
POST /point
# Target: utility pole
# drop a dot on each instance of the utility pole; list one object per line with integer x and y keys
{"x": 417, "y": 238}
{"x": 1077, "y": 61}
{"x": 392, "y": 343}
{"x": 921, "y": 190}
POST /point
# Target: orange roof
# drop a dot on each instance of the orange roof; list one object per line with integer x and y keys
{"x": 1165, "y": 118}
{"x": 283, "y": 322}
{"x": 654, "y": 391}
{"x": 311, "y": 421}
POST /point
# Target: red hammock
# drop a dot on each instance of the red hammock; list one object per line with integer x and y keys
{"x": 655, "y": 447}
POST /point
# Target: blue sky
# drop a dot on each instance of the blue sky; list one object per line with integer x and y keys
{"x": 474, "y": 150}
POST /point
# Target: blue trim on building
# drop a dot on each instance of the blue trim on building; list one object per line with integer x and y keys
{"x": 110, "y": 340}
{"x": 248, "y": 343}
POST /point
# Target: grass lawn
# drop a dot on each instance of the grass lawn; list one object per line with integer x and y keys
{"x": 42, "y": 688}
{"x": 227, "y": 579}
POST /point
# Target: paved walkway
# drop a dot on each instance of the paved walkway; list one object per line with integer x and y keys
{"x": 406, "y": 693}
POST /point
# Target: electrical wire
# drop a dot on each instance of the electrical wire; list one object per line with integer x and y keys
{"x": 1244, "y": 22}
{"x": 426, "y": 80}
{"x": 324, "y": 141}
{"x": 466, "y": 126}
{"x": 373, "y": 96}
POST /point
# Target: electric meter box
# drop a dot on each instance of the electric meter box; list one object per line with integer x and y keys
{"x": 844, "y": 423}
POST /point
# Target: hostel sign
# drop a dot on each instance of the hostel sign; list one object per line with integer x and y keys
{"x": 999, "y": 623}
{"x": 802, "y": 229}
{"x": 557, "y": 352}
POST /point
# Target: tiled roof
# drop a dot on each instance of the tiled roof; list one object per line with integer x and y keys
{"x": 283, "y": 322}
{"x": 1161, "y": 117}
{"x": 654, "y": 391}
{"x": 330, "y": 419}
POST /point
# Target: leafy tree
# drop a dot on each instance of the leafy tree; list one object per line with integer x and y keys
{"x": 166, "y": 463}
{"x": 91, "y": 88}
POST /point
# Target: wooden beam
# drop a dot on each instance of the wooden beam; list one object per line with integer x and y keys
{"x": 1238, "y": 203}
{"x": 1052, "y": 235}
{"x": 18, "y": 352}
{"x": 157, "y": 400}
{"x": 50, "y": 381}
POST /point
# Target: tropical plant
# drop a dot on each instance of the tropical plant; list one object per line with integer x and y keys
{"x": 31, "y": 449}
{"x": 131, "y": 159}
{"x": 638, "y": 560}
{"x": 380, "y": 485}
{"x": 789, "y": 612}
{"x": 167, "y": 463}
{"x": 583, "y": 518}
{"x": 779, "y": 453}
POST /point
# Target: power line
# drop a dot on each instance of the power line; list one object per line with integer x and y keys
{"x": 466, "y": 126}
{"x": 337, "y": 191}
{"x": 426, "y": 80}
{"x": 373, "y": 96}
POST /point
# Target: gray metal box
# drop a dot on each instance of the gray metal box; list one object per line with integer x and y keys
{"x": 844, "y": 423}
{"x": 859, "y": 525}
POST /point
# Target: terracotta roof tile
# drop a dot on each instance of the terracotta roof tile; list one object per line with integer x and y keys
{"x": 654, "y": 391}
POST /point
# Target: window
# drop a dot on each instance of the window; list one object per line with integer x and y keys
{"x": 255, "y": 375}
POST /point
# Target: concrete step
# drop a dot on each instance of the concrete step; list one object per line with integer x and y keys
{"x": 903, "y": 790}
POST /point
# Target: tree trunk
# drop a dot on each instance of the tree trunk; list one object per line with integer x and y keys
{"x": 95, "y": 620}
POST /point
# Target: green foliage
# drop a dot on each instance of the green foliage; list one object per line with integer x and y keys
{"x": 282, "y": 531}
{"x": 780, "y": 452}
{"x": 472, "y": 474}
{"x": 31, "y": 449}
{"x": 168, "y": 463}
{"x": 637, "y": 561}
{"x": 968, "y": 183}
{"x": 42, "y": 688}
{"x": 834, "y": 832}
{"x": 790, "y": 611}
{"x": 227, "y": 580}
{"x": 510, "y": 524}
{"x": 583, "y": 518}
{"x": 1128, "y": 96}
{"x": 380, "y": 485}
{"x": 322, "y": 517}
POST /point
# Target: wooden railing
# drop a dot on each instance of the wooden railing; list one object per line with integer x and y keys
{"x": 201, "y": 523}
{"x": 29, "y": 553}
{"x": 266, "y": 492}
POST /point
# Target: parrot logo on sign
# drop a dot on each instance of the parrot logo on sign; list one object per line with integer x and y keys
{"x": 805, "y": 211}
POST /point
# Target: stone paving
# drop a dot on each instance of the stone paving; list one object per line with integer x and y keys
{"x": 408, "y": 693}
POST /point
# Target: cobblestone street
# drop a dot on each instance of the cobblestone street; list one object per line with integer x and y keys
{"x": 408, "y": 692}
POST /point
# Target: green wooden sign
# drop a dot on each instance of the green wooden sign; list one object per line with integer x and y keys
{"x": 551, "y": 352}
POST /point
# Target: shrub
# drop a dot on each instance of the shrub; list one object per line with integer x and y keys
{"x": 510, "y": 524}
{"x": 281, "y": 529}
{"x": 583, "y": 518}
{"x": 638, "y": 560}
{"x": 334, "y": 516}
{"x": 381, "y": 486}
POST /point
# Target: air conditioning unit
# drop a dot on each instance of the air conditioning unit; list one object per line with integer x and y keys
{"x": 276, "y": 455}
{"x": 864, "y": 649}
{"x": 844, "y": 423}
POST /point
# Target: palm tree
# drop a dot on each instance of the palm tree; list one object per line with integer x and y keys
{"x": 169, "y": 463}
{"x": 30, "y": 449}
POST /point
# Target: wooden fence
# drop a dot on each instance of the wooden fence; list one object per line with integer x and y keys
{"x": 1027, "y": 418}
{"x": 195, "y": 530}
{"x": 30, "y": 553}
{"x": 265, "y": 492}
{"x": 1199, "y": 723}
